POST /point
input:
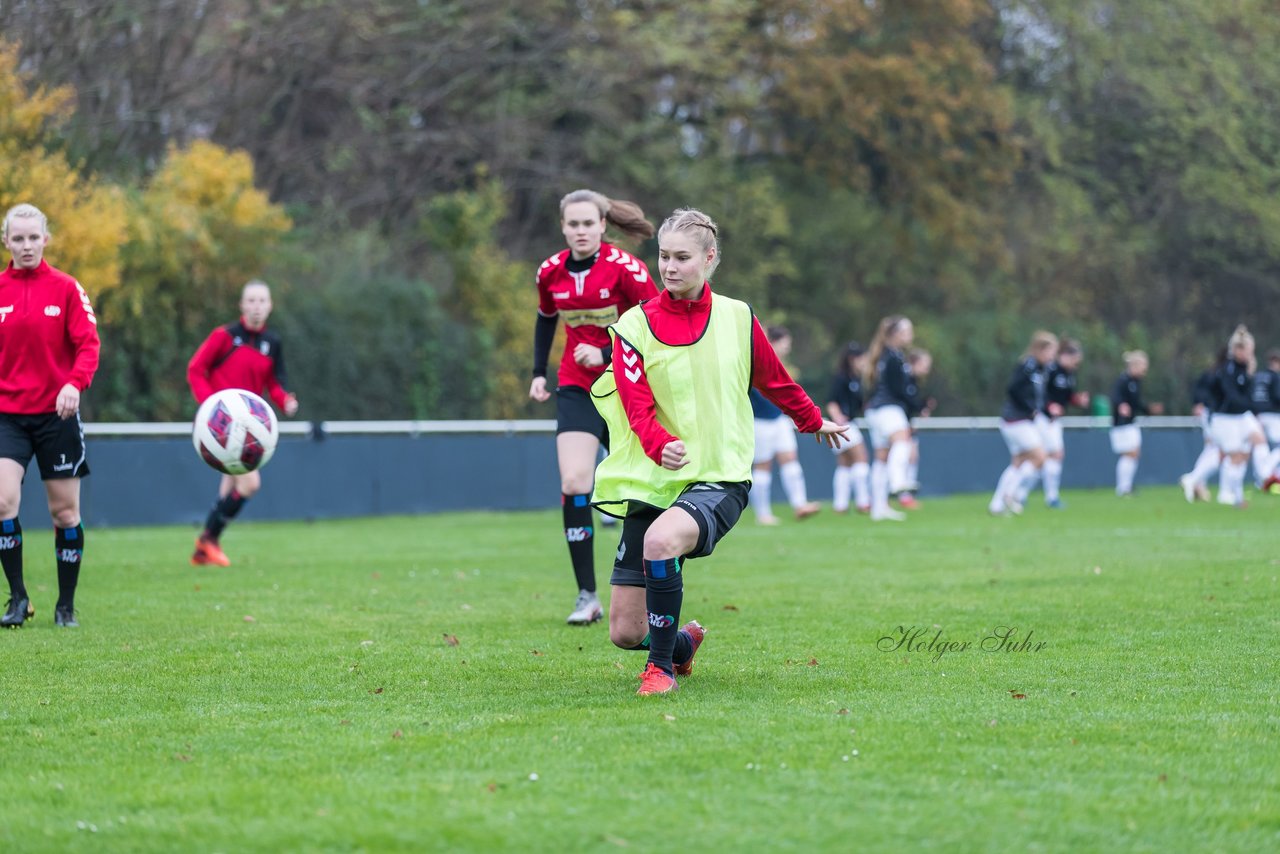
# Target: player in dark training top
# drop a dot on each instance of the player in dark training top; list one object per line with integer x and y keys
{"x": 844, "y": 403}
{"x": 1024, "y": 400}
{"x": 894, "y": 395}
{"x": 1060, "y": 395}
{"x": 1202, "y": 406}
{"x": 589, "y": 285}
{"x": 249, "y": 356}
{"x": 1234, "y": 427}
{"x": 1266, "y": 405}
{"x": 1126, "y": 405}
{"x": 48, "y": 356}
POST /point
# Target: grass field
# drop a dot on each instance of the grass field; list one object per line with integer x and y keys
{"x": 312, "y": 698}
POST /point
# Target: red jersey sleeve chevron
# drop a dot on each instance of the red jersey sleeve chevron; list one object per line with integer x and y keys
{"x": 637, "y": 400}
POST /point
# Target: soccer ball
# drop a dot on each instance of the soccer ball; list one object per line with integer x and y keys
{"x": 235, "y": 431}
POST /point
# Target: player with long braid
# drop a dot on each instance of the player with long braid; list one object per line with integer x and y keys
{"x": 589, "y": 285}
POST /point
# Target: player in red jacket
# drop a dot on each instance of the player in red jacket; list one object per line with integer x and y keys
{"x": 589, "y": 284}
{"x": 48, "y": 355}
{"x": 243, "y": 355}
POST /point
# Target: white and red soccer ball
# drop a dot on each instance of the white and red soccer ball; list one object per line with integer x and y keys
{"x": 235, "y": 431}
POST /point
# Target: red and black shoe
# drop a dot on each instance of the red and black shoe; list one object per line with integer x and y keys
{"x": 696, "y": 633}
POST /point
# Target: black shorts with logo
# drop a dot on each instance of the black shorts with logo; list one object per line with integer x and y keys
{"x": 575, "y": 413}
{"x": 57, "y": 444}
{"x": 716, "y": 507}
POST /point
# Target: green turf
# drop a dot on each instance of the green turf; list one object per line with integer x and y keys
{"x": 309, "y": 699}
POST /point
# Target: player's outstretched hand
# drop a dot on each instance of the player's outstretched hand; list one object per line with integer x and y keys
{"x": 673, "y": 455}
{"x": 538, "y": 390}
{"x": 68, "y": 401}
{"x": 831, "y": 434}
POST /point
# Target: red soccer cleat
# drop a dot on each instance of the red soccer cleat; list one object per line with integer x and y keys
{"x": 810, "y": 508}
{"x": 208, "y": 553}
{"x": 907, "y": 501}
{"x": 655, "y": 680}
{"x": 696, "y": 633}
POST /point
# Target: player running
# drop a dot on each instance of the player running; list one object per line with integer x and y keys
{"x": 1234, "y": 427}
{"x": 894, "y": 396}
{"x": 1060, "y": 394}
{"x": 1024, "y": 399}
{"x": 245, "y": 355}
{"x": 589, "y": 285}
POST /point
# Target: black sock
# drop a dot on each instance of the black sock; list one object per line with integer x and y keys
{"x": 69, "y": 548}
{"x": 684, "y": 648}
{"x": 224, "y": 510}
{"x": 578, "y": 531}
{"x": 11, "y": 556}
{"x": 664, "y": 593}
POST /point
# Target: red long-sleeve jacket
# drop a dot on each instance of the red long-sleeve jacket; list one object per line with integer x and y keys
{"x": 235, "y": 356}
{"x": 678, "y": 322}
{"x": 48, "y": 338}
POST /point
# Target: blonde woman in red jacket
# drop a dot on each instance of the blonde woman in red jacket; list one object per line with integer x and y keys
{"x": 48, "y": 356}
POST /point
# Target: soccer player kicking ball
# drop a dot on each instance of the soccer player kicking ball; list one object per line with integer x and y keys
{"x": 679, "y": 469}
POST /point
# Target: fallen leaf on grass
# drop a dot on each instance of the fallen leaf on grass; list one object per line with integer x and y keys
{"x": 344, "y": 722}
{"x": 730, "y": 608}
{"x": 1017, "y": 696}
{"x": 376, "y": 576}
{"x": 843, "y": 712}
{"x": 813, "y": 662}
{"x": 249, "y": 619}
{"x": 397, "y": 734}
{"x": 618, "y": 841}
{"x": 493, "y": 787}
{"x": 1163, "y": 778}
{"x": 451, "y": 640}
{"x": 197, "y": 588}
{"x": 535, "y": 652}
{"x": 182, "y": 757}
{"x": 376, "y": 691}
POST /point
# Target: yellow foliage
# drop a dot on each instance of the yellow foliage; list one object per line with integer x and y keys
{"x": 86, "y": 218}
{"x": 26, "y": 113}
{"x": 202, "y": 220}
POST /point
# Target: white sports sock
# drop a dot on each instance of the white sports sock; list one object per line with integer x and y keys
{"x": 899, "y": 460}
{"x": 793, "y": 483}
{"x": 1028, "y": 474}
{"x": 1209, "y": 460}
{"x": 861, "y": 484}
{"x": 1052, "y": 473}
{"x": 913, "y": 472}
{"x": 879, "y": 487}
{"x": 841, "y": 488}
{"x": 761, "y": 488}
{"x": 1007, "y": 483}
{"x": 1273, "y": 461}
{"x": 1261, "y": 467}
{"x": 1126, "y": 468}
{"x": 1231, "y": 481}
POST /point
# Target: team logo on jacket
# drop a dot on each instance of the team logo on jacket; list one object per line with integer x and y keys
{"x": 265, "y": 348}
{"x": 52, "y": 310}
{"x": 4, "y": 312}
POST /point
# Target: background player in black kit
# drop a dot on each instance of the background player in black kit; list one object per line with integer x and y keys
{"x": 589, "y": 285}
{"x": 893, "y": 396}
{"x": 1266, "y": 405}
{"x": 844, "y": 403}
{"x": 1202, "y": 406}
{"x": 1024, "y": 399}
{"x": 1126, "y": 405}
{"x": 1060, "y": 395}
{"x": 1234, "y": 427}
